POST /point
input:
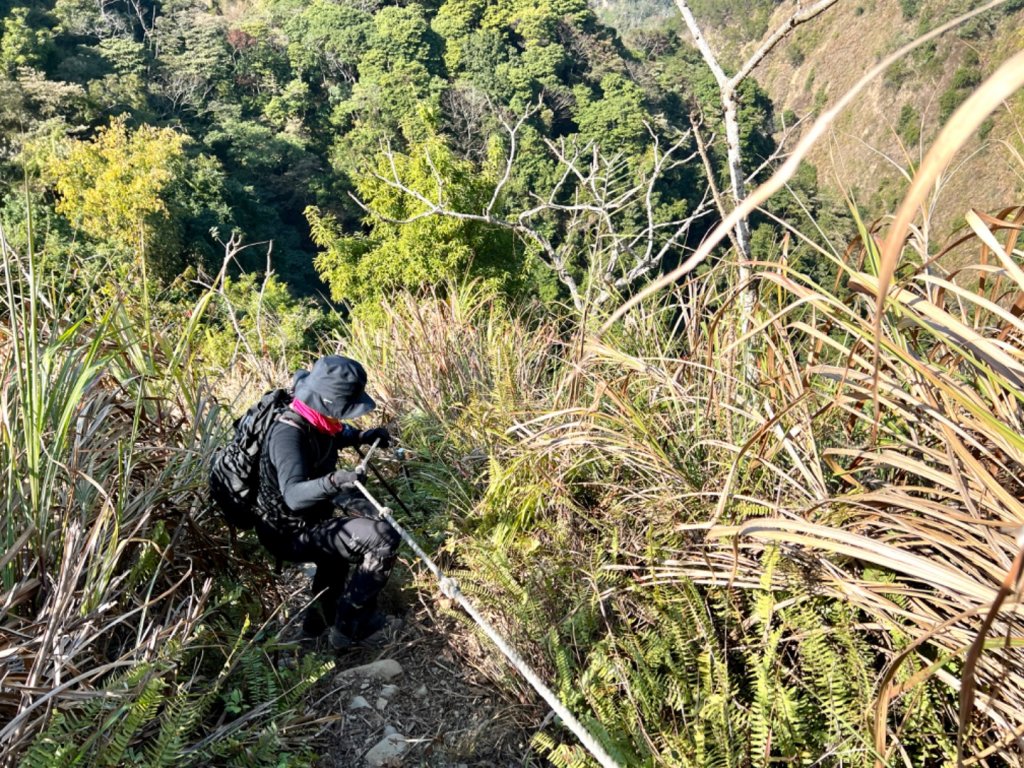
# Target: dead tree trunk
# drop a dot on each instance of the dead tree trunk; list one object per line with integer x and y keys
{"x": 728, "y": 88}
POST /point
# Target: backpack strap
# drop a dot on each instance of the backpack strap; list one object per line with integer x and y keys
{"x": 291, "y": 418}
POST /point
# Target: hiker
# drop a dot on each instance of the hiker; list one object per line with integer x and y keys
{"x": 299, "y": 488}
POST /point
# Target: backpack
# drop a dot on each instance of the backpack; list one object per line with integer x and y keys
{"x": 235, "y": 469}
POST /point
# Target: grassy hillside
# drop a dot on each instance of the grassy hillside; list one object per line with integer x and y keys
{"x": 881, "y": 139}
{"x": 770, "y": 514}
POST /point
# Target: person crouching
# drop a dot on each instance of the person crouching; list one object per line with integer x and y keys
{"x": 300, "y": 487}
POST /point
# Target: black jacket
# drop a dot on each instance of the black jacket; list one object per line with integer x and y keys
{"x": 295, "y": 467}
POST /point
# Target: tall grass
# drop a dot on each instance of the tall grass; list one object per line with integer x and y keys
{"x": 725, "y": 566}
{"x": 122, "y": 637}
{"x": 816, "y": 561}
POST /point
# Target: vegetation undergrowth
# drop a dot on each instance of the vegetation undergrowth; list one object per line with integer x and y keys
{"x": 726, "y": 566}
{"x": 765, "y": 517}
{"x": 130, "y": 632}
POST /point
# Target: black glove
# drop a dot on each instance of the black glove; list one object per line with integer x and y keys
{"x": 370, "y": 436}
{"x": 345, "y": 478}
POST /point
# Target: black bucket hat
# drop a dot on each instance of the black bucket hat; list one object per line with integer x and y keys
{"x": 336, "y": 387}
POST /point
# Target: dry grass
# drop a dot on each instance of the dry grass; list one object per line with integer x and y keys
{"x": 114, "y": 579}
{"x": 633, "y": 469}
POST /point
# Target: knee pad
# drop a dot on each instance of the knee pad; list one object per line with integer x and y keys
{"x": 388, "y": 541}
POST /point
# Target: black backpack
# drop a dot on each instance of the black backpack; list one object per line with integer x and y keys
{"x": 235, "y": 470}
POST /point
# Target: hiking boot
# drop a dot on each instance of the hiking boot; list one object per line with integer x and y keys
{"x": 373, "y": 624}
{"x": 373, "y": 630}
{"x": 340, "y": 641}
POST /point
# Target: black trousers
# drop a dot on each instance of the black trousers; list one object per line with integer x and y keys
{"x": 353, "y": 556}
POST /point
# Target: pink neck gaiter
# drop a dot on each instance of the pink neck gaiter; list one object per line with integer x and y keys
{"x": 318, "y": 420}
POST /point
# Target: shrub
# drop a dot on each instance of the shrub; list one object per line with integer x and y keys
{"x": 910, "y": 8}
{"x": 950, "y": 99}
{"x": 896, "y": 75}
{"x": 908, "y": 125}
{"x": 966, "y": 78}
{"x": 986, "y": 128}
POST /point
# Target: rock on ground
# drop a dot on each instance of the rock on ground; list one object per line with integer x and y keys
{"x": 384, "y": 669}
{"x": 436, "y": 694}
{"x": 388, "y": 751}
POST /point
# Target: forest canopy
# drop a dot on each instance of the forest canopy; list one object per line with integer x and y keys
{"x": 287, "y": 122}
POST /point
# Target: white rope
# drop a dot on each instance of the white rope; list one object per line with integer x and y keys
{"x": 450, "y": 589}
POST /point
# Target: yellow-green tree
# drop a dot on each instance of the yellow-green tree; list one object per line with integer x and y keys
{"x": 406, "y": 248}
{"x": 113, "y": 187}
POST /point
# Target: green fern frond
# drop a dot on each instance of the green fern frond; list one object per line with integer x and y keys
{"x": 125, "y": 723}
{"x": 179, "y": 717}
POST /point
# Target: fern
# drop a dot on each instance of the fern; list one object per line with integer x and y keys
{"x": 48, "y": 750}
{"x": 125, "y": 723}
{"x": 149, "y": 717}
{"x": 100, "y": 731}
{"x": 179, "y": 718}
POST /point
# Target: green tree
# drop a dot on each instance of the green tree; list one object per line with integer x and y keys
{"x": 273, "y": 176}
{"x": 536, "y": 22}
{"x": 455, "y": 21}
{"x": 111, "y": 186}
{"x": 404, "y": 248}
{"x": 617, "y": 119}
{"x": 271, "y": 321}
{"x": 328, "y": 39}
{"x": 482, "y": 55}
{"x": 193, "y": 62}
{"x": 259, "y": 64}
{"x": 122, "y": 86}
{"x": 397, "y": 95}
{"x": 23, "y": 44}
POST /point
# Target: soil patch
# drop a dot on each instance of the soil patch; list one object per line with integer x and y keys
{"x": 430, "y": 705}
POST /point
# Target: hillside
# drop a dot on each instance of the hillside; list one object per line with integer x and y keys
{"x": 882, "y": 136}
{"x": 689, "y": 483}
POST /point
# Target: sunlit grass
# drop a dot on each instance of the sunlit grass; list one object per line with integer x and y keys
{"x": 623, "y": 503}
{"x": 114, "y": 579}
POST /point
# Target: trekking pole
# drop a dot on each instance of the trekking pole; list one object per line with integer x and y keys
{"x": 380, "y": 478}
{"x": 450, "y": 589}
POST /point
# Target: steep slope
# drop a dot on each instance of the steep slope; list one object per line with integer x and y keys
{"x": 885, "y": 133}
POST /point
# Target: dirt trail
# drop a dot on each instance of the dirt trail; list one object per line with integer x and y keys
{"x": 430, "y": 709}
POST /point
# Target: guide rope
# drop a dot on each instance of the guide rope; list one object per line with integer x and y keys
{"x": 450, "y": 589}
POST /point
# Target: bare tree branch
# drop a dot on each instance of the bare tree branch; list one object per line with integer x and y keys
{"x": 709, "y": 170}
{"x": 513, "y": 133}
{"x": 232, "y": 248}
{"x": 789, "y": 168}
{"x": 730, "y": 108}
{"x": 727, "y": 87}
{"x": 800, "y": 16}
{"x": 591, "y": 203}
